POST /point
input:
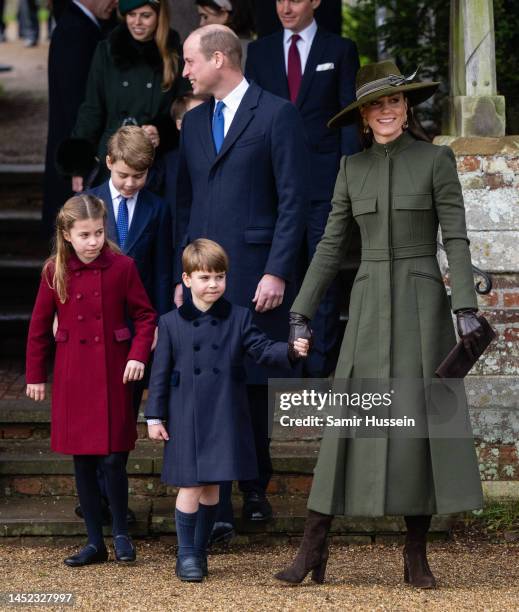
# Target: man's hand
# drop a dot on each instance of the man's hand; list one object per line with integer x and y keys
{"x": 157, "y": 432}
{"x": 77, "y": 184}
{"x": 134, "y": 371}
{"x": 178, "y": 296}
{"x": 153, "y": 134}
{"x": 36, "y": 391}
{"x": 269, "y": 293}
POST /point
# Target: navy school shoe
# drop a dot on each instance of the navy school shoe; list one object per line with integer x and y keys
{"x": 87, "y": 556}
{"x": 124, "y": 549}
{"x": 189, "y": 568}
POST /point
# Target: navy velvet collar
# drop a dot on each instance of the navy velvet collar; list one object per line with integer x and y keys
{"x": 220, "y": 309}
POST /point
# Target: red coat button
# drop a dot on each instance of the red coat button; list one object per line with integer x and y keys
{"x": 96, "y": 339}
{"x": 96, "y": 293}
{"x": 80, "y": 317}
{"x": 96, "y": 272}
{"x": 78, "y": 273}
{"x": 79, "y": 296}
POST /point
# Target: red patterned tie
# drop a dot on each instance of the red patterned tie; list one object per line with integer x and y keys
{"x": 294, "y": 72}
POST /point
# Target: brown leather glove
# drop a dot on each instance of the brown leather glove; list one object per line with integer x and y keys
{"x": 469, "y": 330}
{"x": 299, "y": 328}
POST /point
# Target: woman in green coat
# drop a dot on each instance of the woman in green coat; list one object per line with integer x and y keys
{"x": 398, "y": 190}
{"x": 133, "y": 80}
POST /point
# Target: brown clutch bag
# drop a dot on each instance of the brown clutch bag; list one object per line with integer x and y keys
{"x": 458, "y": 362}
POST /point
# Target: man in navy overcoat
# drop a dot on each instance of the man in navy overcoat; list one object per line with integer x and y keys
{"x": 71, "y": 50}
{"x": 317, "y": 72}
{"x": 243, "y": 183}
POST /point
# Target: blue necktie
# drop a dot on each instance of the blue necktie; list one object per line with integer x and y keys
{"x": 218, "y": 126}
{"x": 122, "y": 222}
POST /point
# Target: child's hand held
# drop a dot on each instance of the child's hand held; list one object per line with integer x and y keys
{"x": 157, "y": 432}
{"x": 134, "y": 371}
{"x": 36, "y": 391}
{"x": 302, "y": 347}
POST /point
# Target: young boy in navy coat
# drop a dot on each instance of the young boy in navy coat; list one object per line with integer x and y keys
{"x": 197, "y": 398}
{"x": 139, "y": 222}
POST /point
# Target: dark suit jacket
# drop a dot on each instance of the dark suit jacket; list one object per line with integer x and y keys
{"x": 328, "y": 85}
{"x": 70, "y": 54}
{"x": 251, "y": 197}
{"x": 149, "y": 243}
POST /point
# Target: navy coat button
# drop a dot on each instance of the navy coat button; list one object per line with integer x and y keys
{"x": 215, "y": 347}
{"x": 80, "y": 317}
{"x": 197, "y": 371}
{"x": 196, "y": 347}
{"x": 216, "y": 370}
{"x": 214, "y": 322}
{"x": 196, "y": 324}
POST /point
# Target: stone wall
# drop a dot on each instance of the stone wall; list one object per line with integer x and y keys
{"x": 489, "y": 173}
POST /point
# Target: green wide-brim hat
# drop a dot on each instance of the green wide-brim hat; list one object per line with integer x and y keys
{"x": 382, "y": 79}
{"x": 125, "y": 6}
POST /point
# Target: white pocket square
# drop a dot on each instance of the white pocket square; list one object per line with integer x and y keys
{"x": 328, "y": 66}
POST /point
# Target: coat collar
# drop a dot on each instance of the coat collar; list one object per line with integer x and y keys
{"x": 395, "y": 146}
{"x": 220, "y": 309}
{"x": 103, "y": 260}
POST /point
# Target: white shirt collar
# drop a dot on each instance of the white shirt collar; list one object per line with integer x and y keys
{"x": 307, "y": 34}
{"x": 233, "y": 99}
{"x": 115, "y": 195}
{"x": 87, "y": 12}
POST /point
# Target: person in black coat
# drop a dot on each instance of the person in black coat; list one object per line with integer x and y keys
{"x": 71, "y": 50}
{"x": 323, "y": 86}
{"x": 198, "y": 389}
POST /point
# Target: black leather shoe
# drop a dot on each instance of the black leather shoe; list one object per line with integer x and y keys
{"x": 256, "y": 507}
{"x": 222, "y": 533}
{"x": 105, "y": 510}
{"x": 124, "y": 549}
{"x": 189, "y": 569}
{"x": 87, "y": 556}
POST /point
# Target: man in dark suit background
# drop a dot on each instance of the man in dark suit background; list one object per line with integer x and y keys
{"x": 72, "y": 47}
{"x": 316, "y": 70}
{"x": 242, "y": 182}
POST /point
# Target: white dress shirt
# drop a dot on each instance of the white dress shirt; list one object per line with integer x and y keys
{"x": 232, "y": 101}
{"x": 87, "y": 12}
{"x": 116, "y": 199}
{"x": 304, "y": 44}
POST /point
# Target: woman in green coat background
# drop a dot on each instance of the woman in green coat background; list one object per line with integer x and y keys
{"x": 398, "y": 190}
{"x": 133, "y": 80}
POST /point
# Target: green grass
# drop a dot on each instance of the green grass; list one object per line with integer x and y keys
{"x": 497, "y": 517}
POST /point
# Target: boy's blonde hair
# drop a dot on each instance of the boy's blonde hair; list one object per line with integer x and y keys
{"x": 131, "y": 145}
{"x": 77, "y": 208}
{"x": 204, "y": 255}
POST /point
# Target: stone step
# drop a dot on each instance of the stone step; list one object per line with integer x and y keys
{"x": 21, "y": 186}
{"x": 55, "y": 517}
{"x": 21, "y": 234}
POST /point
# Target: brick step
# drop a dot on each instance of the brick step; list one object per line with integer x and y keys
{"x": 30, "y": 468}
{"x": 55, "y": 517}
{"x": 21, "y": 186}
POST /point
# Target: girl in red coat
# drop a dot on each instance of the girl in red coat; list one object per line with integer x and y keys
{"x": 94, "y": 291}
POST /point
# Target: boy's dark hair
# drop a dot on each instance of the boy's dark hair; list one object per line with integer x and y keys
{"x": 131, "y": 145}
{"x": 179, "y": 106}
{"x": 204, "y": 255}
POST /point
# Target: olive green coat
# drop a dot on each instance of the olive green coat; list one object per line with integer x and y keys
{"x": 400, "y": 325}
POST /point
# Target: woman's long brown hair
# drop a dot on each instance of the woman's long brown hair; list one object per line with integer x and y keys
{"x": 77, "y": 208}
{"x": 169, "y": 56}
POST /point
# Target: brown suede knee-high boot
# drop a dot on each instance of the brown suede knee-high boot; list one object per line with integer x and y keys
{"x": 313, "y": 551}
{"x": 416, "y": 568}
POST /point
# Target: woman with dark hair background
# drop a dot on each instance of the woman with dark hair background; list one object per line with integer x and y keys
{"x": 236, "y": 14}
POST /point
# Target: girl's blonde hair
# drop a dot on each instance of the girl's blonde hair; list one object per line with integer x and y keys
{"x": 77, "y": 208}
{"x": 169, "y": 57}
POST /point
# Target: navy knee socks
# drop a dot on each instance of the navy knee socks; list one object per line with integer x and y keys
{"x": 204, "y": 525}
{"x": 186, "y": 525}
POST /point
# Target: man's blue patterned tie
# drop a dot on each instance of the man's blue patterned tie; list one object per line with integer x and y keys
{"x": 218, "y": 126}
{"x": 122, "y": 222}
